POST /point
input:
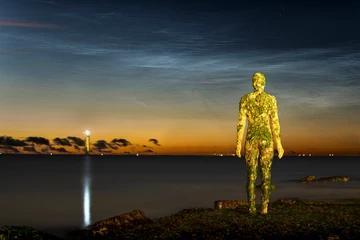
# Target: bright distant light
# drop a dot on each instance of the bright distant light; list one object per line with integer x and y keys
{"x": 87, "y": 132}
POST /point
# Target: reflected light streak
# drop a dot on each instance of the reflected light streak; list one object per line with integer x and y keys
{"x": 87, "y": 192}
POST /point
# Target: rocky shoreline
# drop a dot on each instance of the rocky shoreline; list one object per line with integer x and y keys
{"x": 287, "y": 218}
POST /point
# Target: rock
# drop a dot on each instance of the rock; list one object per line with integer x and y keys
{"x": 119, "y": 223}
{"x": 334, "y": 179}
{"x": 307, "y": 179}
{"x": 286, "y": 201}
{"x": 298, "y": 201}
{"x": 272, "y": 187}
{"x": 229, "y": 204}
{"x": 311, "y": 179}
{"x": 302, "y": 201}
{"x": 24, "y": 232}
{"x": 191, "y": 211}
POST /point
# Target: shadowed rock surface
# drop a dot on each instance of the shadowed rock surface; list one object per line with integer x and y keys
{"x": 311, "y": 179}
{"x": 300, "y": 201}
{"x": 24, "y": 232}
{"x": 341, "y": 201}
{"x": 334, "y": 179}
{"x": 288, "y": 219}
{"x": 118, "y": 223}
{"x": 307, "y": 179}
{"x": 232, "y": 204}
{"x": 229, "y": 204}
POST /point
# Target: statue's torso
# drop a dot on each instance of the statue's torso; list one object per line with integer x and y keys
{"x": 258, "y": 107}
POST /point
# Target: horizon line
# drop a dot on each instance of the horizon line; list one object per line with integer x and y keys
{"x": 169, "y": 154}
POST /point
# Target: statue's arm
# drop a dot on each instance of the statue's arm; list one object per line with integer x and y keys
{"x": 241, "y": 126}
{"x": 275, "y": 124}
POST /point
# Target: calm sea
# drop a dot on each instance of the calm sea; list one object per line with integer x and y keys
{"x": 59, "y": 193}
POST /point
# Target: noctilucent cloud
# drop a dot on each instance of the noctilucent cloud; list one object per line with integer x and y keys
{"x": 174, "y": 72}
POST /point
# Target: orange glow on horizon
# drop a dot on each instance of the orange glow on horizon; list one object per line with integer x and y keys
{"x": 186, "y": 136}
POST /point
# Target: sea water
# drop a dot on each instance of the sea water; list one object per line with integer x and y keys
{"x": 62, "y": 192}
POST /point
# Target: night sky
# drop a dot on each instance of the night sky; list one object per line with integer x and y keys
{"x": 166, "y": 76}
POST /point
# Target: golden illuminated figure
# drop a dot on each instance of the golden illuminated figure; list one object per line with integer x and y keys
{"x": 261, "y": 110}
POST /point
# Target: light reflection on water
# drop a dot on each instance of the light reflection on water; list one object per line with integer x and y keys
{"x": 87, "y": 191}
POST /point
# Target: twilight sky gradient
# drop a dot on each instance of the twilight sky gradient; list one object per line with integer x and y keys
{"x": 175, "y": 71}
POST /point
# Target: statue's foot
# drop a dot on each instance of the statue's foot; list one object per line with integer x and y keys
{"x": 252, "y": 210}
{"x": 264, "y": 209}
{"x": 253, "y": 213}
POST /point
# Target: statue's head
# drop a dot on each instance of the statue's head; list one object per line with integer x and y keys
{"x": 258, "y": 81}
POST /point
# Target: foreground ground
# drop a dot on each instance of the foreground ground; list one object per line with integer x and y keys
{"x": 287, "y": 219}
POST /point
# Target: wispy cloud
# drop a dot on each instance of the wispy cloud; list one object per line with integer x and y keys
{"x": 62, "y": 141}
{"x": 12, "y": 51}
{"x": 29, "y": 24}
{"x": 60, "y": 149}
{"x": 29, "y": 149}
{"x": 38, "y": 140}
{"x": 13, "y": 149}
{"x": 188, "y": 65}
{"x": 79, "y": 17}
{"x": 100, "y": 145}
{"x": 76, "y": 140}
{"x": 9, "y": 141}
{"x": 154, "y": 141}
{"x": 121, "y": 142}
{"x": 49, "y": 2}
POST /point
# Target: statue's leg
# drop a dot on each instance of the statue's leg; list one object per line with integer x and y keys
{"x": 266, "y": 156}
{"x": 251, "y": 157}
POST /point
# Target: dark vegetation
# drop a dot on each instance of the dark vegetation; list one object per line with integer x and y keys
{"x": 299, "y": 219}
{"x": 287, "y": 219}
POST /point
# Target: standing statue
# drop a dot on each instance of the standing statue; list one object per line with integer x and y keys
{"x": 263, "y": 128}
